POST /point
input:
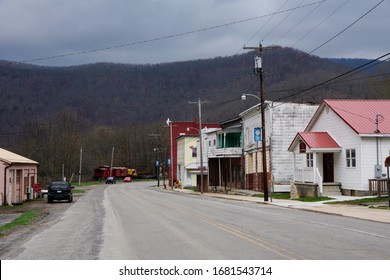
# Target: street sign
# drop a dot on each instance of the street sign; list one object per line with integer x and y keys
{"x": 157, "y": 162}
{"x": 257, "y": 134}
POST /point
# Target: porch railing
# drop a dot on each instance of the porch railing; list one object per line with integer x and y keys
{"x": 303, "y": 175}
{"x": 377, "y": 186}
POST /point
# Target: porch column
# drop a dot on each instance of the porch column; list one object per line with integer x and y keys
{"x": 219, "y": 172}
{"x": 11, "y": 181}
{"x": 293, "y": 167}
{"x": 230, "y": 171}
{"x": 315, "y": 168}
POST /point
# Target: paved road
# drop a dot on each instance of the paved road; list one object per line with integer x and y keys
{"x": 145, "y": 223}
{"x": 133, "y": 221}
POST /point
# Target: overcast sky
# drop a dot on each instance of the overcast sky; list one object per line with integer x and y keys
{"x": 73, "y": 32}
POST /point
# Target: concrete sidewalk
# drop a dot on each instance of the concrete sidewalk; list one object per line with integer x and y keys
{"x": 348, "y": 210}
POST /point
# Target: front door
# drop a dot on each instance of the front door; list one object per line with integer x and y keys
{"x": 328, "y": 168}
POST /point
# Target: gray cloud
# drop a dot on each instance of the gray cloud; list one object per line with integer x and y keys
{"x": 45, "y": 28}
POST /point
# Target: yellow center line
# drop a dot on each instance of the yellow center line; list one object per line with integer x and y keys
{"x": 241, "y": 234}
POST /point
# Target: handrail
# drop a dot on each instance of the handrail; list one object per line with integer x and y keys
{"x": 319, "y": 181}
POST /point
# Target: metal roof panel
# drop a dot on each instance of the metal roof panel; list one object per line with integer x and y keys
{"x": 361, "y": 114}
{"x": 316, "y": 140}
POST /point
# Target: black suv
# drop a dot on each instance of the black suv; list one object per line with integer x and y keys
{"x": 59, "y": 190}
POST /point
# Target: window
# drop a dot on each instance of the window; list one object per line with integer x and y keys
{"x": 302, "y": 146}
{"x": 246, "y": 134}
{"x": 351, "y": 157}
{"x": 194, "y": 154}
{"x": 309, "y": 160}
{"x": 221, "y": 140}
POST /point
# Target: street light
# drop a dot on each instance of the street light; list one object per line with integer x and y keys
{"x": 243, "y": 96}
{"x": 263, "y": 140}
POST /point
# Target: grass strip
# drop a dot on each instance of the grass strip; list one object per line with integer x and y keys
{"x": 314, "y": 199}
{"x": 25, "y": 218}
{"x": 362, "y": 201}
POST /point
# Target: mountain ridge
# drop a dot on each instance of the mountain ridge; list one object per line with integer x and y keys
{"x": 103, "y": 93}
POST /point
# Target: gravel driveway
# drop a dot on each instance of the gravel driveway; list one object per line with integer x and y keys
{"x": 48, "y": 214}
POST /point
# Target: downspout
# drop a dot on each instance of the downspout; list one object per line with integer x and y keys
{"x": 5, "y": 184}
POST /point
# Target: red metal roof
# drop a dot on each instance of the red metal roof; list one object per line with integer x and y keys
{"x": 318, "y": 140}
{"x": 360, "y": 115}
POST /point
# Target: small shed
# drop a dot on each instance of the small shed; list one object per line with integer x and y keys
{"x": 18, "y": 175}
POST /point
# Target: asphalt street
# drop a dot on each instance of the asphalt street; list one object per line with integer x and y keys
{"x": 138, "y": 221}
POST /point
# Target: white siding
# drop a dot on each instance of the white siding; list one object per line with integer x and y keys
{"x": 330, "y": 122}
{"x": 209, "y": 143}
{"x": 250, "y": 120}
{"x": 287, "y": 120}
{"x": 180, "y": 158}
{"x": 184, "y": 159}
{"x": 369, "y": 154}
{"x": 283, "y": 121}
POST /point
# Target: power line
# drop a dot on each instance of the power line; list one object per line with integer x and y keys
{"x": 346, "y": 28}
{"x": 335, "y": 36}
{"x": 325, "y": 19}
{"x": 276, "y": 26}
{"x": 299, "y": 22}
{"x": 261, "y": 28}
{"x": 364, "y": 69}
{"x": 166, "y": 37}
{"x": 333, "y": 79}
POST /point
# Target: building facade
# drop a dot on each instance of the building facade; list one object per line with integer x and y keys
{"x": 175, "y": 129}
{"x": 344, "y": 145}
{"x": 17, "y": 177}
{"x": 282, "y": 121}
{"x": 224, "y": 153}
{"x": 187, "y": 163}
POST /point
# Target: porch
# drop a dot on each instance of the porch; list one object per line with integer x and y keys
{"x": 225, "y": 173}
{"x": 310, "y": 189}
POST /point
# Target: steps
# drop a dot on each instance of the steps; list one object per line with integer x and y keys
{"x": 331, "y": 189}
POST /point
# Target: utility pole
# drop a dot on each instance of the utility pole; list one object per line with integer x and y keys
{"x": 258, "y": 70}
{"x": 200, "y": 140}
{"x": 170, "y": 167}
{"x": 157, "y": 150}
{"x": 112, "y": 160}
{"x": 81, "y": 160}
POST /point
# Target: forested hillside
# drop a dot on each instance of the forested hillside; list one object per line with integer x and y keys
{"x": 48, "y": 113}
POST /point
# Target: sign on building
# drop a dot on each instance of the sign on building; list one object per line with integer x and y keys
{"x": 257, "y": 134}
